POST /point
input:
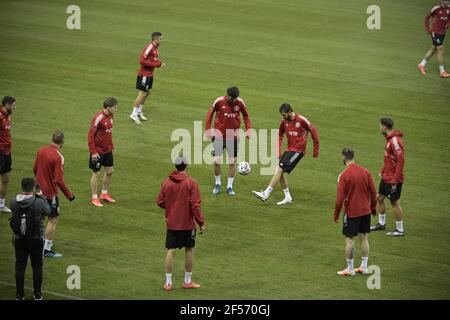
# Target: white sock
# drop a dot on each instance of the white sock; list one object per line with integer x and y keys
{"x": 2, "y": 203}
{"x": 48, "y": 244}
{"x": 399, "y": 225}
{"x": 424, "y": 62}
{"x": 104, "y": 191}
{"x": 268, "y": 191}
{"x": 135, "y": 111}
{"x": 350, "y": 266}
{"x": 168, "y": 278}
{"x": 364, "y": 261}
{"x": 187, "y": 277}
{"x": 139, "y": 109}
{"x": 230, "y": 182}
{"x": 218, "y": 180}
{"x": 382, "y": 219}
{"x": 287, "y": 195}
{"x": 94, "y": 196}
{"x": 441, "y": 69}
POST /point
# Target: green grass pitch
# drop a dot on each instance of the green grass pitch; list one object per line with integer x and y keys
{"x": 319, "y": 56}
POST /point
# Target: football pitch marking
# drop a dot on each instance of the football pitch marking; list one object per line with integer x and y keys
{"x": 56, "y": 294}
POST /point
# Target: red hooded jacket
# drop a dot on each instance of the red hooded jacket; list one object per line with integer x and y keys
{"x": 180, "y": 197}
{"x": 394, "y": 159}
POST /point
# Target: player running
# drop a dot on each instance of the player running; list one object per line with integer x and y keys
{"x": 144, "y": 82}
{"x": 391, "y": 178}
{"x": 296, "y": 128}
{"x": 6, "y": 109}
{"x": 440, "y": 23}
{"x": 101, "y": 150}
{"x": 227, "y": 110}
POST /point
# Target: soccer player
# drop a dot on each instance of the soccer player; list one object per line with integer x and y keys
{"x": 356, "y": 190}
{"x": 296, "y": 128}
{"x": 180, "y": 197}
{"x": 6, "y": 109}
{"x": 227, "y": 110}
{"x": 440, "y": 23}
{"x": 391, "y": 177}
{"x": 49, "y": 171}
{"x": 144, "y": 82}
{"x": 101, "y": 150}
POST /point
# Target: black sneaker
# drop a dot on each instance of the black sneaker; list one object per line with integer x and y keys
{"x": 37, "y": 297}
{"x": 377, "y": 227}
{"x": 52, "y": 254}
{"x": 20, "y": 297}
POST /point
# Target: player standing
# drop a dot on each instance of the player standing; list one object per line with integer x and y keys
{"x": 49, "y": 171}
{"x": 144, "y": 82}
{"x": 227, "y": 110}
{"x": 6, "y": 109}
{"x": 440, "y": 23}
{"x": 356, "y": 191}
{"x": 101, "y": 150}
{"x": 296, "y": 128}
{"x": 391, "y": 177}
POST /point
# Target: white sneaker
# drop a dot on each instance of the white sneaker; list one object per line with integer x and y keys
{"x": 135, "y": 118}
{"x": 5, "y": 209}
{"x": 141, "y": 115}
{"x": 260, "y": 195}
{"x": 284, "y": 201}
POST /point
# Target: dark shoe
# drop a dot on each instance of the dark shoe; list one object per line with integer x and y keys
{"x": 378, "y": 227}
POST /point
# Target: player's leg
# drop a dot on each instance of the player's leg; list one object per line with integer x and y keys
{"x": 137, "y": 103}
{"x": 50, "y": 230}
{"x": 350, "y": 255}
{"x": 232, "y": 152}
{"x": 383, "y": 191}
{"x": 169, "y": 268}
{"x": 218, "y": 157}
{"x": 36, "y": 263}
{"x": 285, "y": 187}
{"x": 398, "y": 214}
{"x": 440, "y": 58}
{"x": 106, "y": 182}
{"x": 95, "y": 200}
{"x": 188, "y": 265}
{"x": 264, "y": 195}
{"x": 21, "y": 265}
{"x": 364, "y": 241}
{"x": 141, "y": 106}
{"x": 3, "y": 189}
{"x": 427, "y": 58}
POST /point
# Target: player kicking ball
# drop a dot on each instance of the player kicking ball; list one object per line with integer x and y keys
{"x": 296, "y": 128}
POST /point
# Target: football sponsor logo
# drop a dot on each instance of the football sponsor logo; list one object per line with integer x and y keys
{"x": 236, "y": 108}
{"x": 297, "y": 124}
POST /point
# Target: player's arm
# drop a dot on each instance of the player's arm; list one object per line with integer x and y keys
{"x": 340, "y": 197}
{"x": 400, "y": 159}
{"x": 427, "y": 20}
{"x": 209, "y": 117}
{"x": 373, "y": 195}
{"x": 194, "y": 202}
{"x": 91, "y": 137}
{"x": 35, "y": 165}
{"x": 247, "y": 122}
{"x": 314, "y": 135}
{"x": 149, "y": 60}
{"x": 160, "y": 199}
{"x": 280, "y": 138}
{"x": 58, "y": 173}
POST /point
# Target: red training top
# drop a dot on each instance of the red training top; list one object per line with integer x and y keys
{"x": 100, "y": 134}
{"x": 440, "y": 22}
{"x": 297, "y": 135}
{"x": 149, "y": 60}
{"x": 394, "y": 159}
{"x": 5, "y": 132}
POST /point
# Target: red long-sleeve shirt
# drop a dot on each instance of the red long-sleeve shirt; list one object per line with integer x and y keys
{"x": 149, "y": 60}
{"x": 394, "y": 159}
{"x": 296, "y": 131}
{"x": 356, "y": 191}
{"x": 5, "y": 132}
{"x": 100, "y": 134}
{"x": 228, "y": 117}
{"x": 440, "y": 20}
{"x": 180, "y": 197}
{"x": 49, "y": 171}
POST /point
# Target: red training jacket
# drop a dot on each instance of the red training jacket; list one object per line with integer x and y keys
{"x": 149, "y": 60}
{"x": 5, "y": 132}
{"x": 356, "y": 191}
{"x": 180, "y": 196}
{"x": 228, "y": 117}
{"x": 297, "y": 135}
{"x": 49, "y": 170}
{"x": 100, "y": 134}
{"x": 394, "y": 159}
{"x": 440, "y": 22}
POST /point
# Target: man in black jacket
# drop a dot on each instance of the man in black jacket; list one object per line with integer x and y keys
{"x": 31, "y": 244}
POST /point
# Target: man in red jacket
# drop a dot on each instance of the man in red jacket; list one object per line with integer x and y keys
{"x": 391, "y": 177}
{"x": 49, "y": 171}
{"x": 440, "y": 23}
{"x": 356, "y": 191}
{"x": 101, "y": 149}
{"x": 180, "y": 197}
{"x": 144, "y": 82}
{"x": 227, "y": 110}
{"x": 296, "y": 128}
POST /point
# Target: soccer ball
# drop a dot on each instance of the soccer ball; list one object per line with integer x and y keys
{"x": 244, "y": 168}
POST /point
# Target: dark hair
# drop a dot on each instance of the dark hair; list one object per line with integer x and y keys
{"x": 233, "y": 92}
{"x": 348, "y": 153}
{"x": 110, "y": 102}
{"x": 58, "y": 137}
{"x": 8, "y": 100}
{"x": 387, "y": 122}
{"x": 28, "y": 184}
{"x": 181, "y": 163}
{"x": 156, "y": 34}
{"x": 285, "y": 107}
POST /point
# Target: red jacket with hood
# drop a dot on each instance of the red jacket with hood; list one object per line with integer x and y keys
{"x": 394, "y": 159}
{"x": 180, "y": 197}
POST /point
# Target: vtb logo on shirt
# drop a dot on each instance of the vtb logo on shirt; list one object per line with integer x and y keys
{"x": 230, "y": 115}
{"x": 293, "y": 133}
{"x": 108, "y": 130}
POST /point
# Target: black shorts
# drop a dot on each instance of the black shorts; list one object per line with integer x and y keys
{"x": 5, "y": 163}
{"x": 232, "y": 147}
{"x": 289, "y": 160}
{"x": 437, "y": 39}
{"x": 144, "y": 83}
{"x": 385, "y": 189}
{"x": 180, "y": 238}
{"x": 353, "y": 226}
{"x": 106, "y": 160}
{"x": 54, "y": 206}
